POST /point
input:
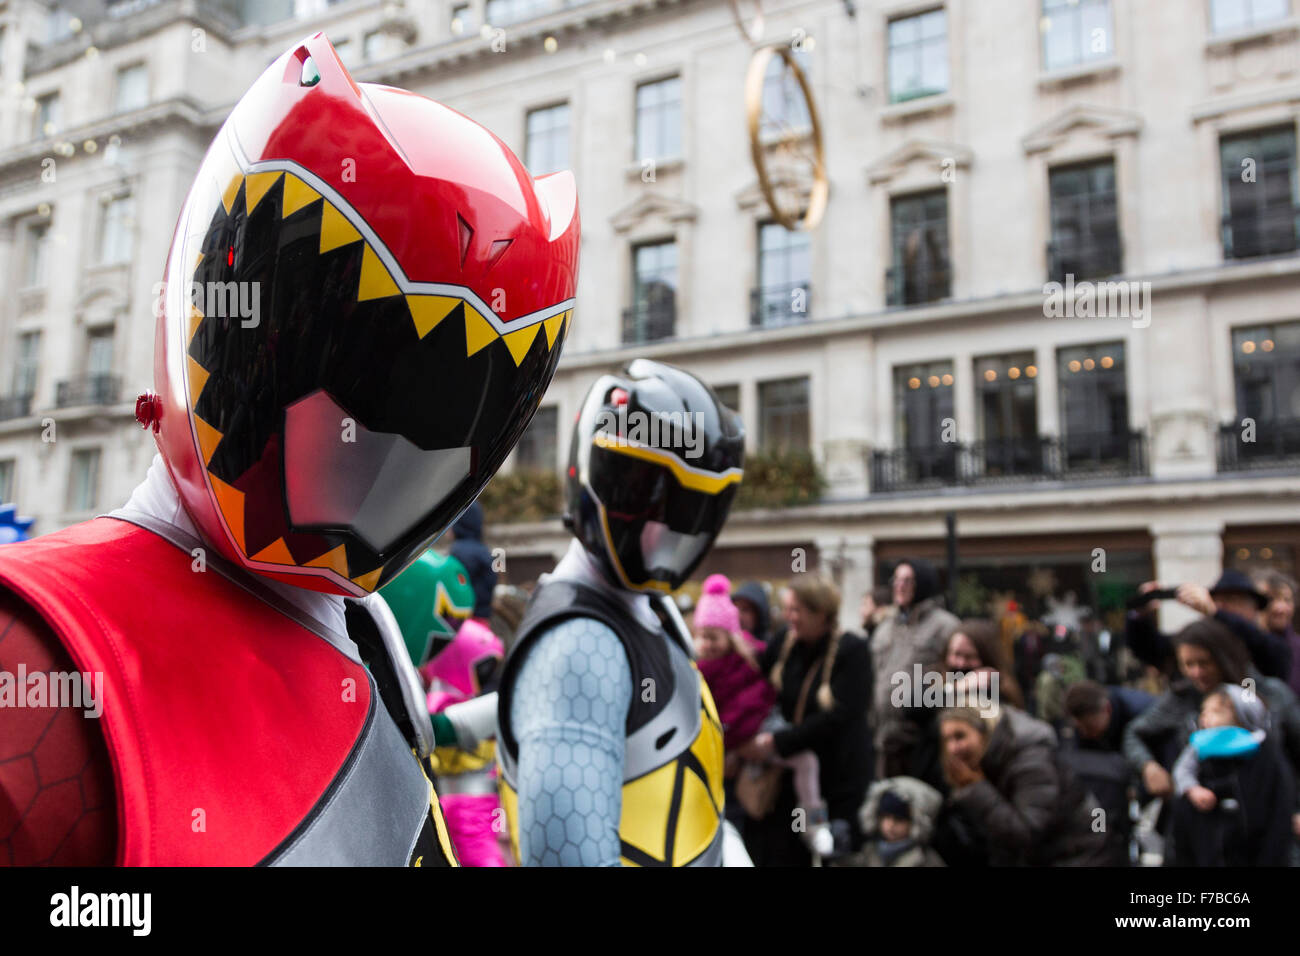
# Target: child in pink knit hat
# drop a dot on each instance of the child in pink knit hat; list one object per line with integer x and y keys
{"x": 728, "y": 660}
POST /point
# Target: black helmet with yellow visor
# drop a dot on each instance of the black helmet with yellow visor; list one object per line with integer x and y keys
{"x": 654, "y": 466}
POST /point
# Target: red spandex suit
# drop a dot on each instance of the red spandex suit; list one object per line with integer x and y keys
{"x": 366, "y": 296}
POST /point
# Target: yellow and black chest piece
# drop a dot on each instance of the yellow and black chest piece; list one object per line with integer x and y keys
{"x": 672, "y": 796}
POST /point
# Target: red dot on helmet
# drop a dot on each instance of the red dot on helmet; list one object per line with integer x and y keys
{"x": 148, "y": 410}
{"x": 618, "y": 396}
{"x": 573, "y": 471}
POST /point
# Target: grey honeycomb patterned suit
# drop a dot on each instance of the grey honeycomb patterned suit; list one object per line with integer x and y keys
{"x": 571, "y": 745}
{"x": 596, "y": 695}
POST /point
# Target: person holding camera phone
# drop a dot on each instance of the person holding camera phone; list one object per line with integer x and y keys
{"x": 1233, "y": 601}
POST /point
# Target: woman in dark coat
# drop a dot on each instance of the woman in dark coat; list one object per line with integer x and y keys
{"x": 1006, "y": 783}
{"x": 832, "y": 671}
{"x": 1207, "y": 655}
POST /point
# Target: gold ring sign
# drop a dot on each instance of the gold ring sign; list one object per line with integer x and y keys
{"x": 788, "y": 142}
{"x": 754, "y": 32}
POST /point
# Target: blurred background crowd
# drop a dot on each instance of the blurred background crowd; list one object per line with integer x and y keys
{"x": 1063, "y": 738}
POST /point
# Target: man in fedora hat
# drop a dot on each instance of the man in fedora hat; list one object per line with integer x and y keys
{"x": 1236, "y": 593}
{"x": 1233, "y": 601}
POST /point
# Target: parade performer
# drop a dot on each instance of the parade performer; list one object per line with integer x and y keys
{"x": 333, "y": 389}
{"x": 459, "y": 658}
{"x": 465, "y": 765}
{"x": 610, "y": 746}
{"x": 430, "y": 601}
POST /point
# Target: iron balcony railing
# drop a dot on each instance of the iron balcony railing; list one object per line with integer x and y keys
{"x": 915, "y": 284}
{"x": 1103, "y": 454}
{"x": 1268, "y": 232}
{"x": 648, "y": 323}
{"x": 901, "y": 468}
{"x": 88, "y": 390}
{"x": 15, "y": 406}
{"x": 1094, "y": 256}
{"x": 784, "y": 304}
{"x": 1265, "y": 443}
{"x": 1012, "y": 461}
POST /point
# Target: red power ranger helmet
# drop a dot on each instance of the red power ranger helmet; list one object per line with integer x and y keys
{"x": 366, "y": 297}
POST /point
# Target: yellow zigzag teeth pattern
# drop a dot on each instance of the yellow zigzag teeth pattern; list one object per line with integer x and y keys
{"x": 427, "y": 312}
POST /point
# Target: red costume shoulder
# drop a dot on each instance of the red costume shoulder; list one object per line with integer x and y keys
{"x": 225, "y": 720}
{"x": 56, "y": 780}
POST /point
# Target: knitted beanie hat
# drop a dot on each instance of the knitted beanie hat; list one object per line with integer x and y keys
{"x": 715, "y": 608}
{"x": 893, "y": 804}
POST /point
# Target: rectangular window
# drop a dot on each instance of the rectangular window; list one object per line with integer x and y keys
{"x": 1075, "y": 33}
{"x": 536, "y": 450}
{"x": 99, "y": 352}
{"x": 132, "y": 88}
{"x": 27, "y": 367}
{"x": 463, "y": 21}
{"x": 1085, "y": 222}
{"x": 918, "y": 56}
{"x": 785, "y": 111}
{"x": 1266, "y": 366}
{"x": 923, "y": 401}
{"x": 48, "y": 117}
{"x": 116, "y": 228}
{"x": 784, "y": 263}
{"x": 1230, "y": 16}
{"x": 58, "y": 24}
{"x": 659, "y": 119}
{"x": 919, "y": 228}
{"x": 1260, "y": 192}
{"x": 1006, "y": 400}
{"x": 783, "y": 420}
{"x": 728, "y": 395}
{"x": 1094, "y": 403}
{"x": 83, "y": 482}
{"x": 1266, "y": 370}
{"x": 654, "y": 293}
{"x": 37, "y": 255}
{"x": 260, "y": 12}
{"x": 347, "y": 51}
{"x": 547, "y": 145}
{"x": 8, "y": 494}
{"x": 924, "y": 423}
{"x": 374, "y": 45}
{"x": 501, "y": 12}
